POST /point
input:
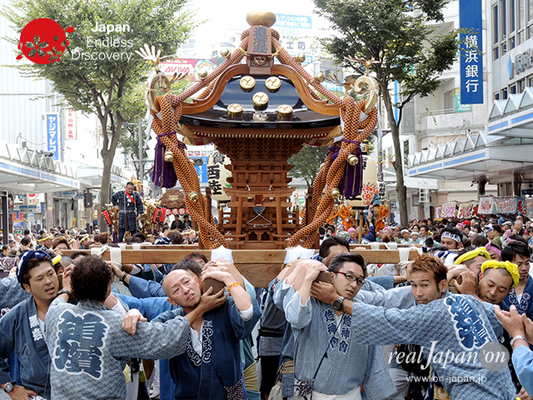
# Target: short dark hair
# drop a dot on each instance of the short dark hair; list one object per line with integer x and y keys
{"x": 137, "y": 238}
{"x": 190, "y": 265}
{"x": 514, "y": 248}
{"x": 90, "y": 279}
{"x": 175, "y": 237}
{"x": 332, "y": 241}
{"x": 58, "y": 240}
{"x": 428, "y": 263}
{"x": 192, "y": 256}
{"x": 31, "y": 264}
{"x": 26, "y": 240}
{"x": 479, "y": 241}
{"x": 497, "y": 228}
{"x": 165, "y": 228}
{"x": 424, "y": 226}
{"x": 77, "y": 254}
{"x": 339, "y": 260}
{"x": 130, "y": 184}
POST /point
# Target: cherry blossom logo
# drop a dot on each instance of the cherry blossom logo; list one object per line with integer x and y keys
{"x": 43, "y": 41}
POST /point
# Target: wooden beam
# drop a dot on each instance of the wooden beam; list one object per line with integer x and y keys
{"x": 258, "y": 266}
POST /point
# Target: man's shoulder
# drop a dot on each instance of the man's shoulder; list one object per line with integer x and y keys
{"x": 15, "y": 313}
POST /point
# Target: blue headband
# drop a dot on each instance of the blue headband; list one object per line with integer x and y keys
{"x": 27, "y": 256}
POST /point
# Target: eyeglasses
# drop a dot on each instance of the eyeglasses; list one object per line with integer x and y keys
{"x": 352, "y": 278}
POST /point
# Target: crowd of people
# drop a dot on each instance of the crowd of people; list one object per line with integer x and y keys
{"x": 455, "y": 323}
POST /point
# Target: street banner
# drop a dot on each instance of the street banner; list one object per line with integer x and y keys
{"x": 471, "y": 54}
{"x": 485, "y": 205}
{"x": 53, "y": 134}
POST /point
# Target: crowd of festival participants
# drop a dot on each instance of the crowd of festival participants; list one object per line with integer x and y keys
{"x": 329, "y": 327}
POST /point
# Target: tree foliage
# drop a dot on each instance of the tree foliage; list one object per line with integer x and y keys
{"x": 307, "y": 163}
{"x": 98, "y": 84}
{"x": 400, "y": 35}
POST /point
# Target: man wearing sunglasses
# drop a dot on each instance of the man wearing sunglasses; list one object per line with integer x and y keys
{"x": 22, "y": 329}
{"x": 325, "y": 348}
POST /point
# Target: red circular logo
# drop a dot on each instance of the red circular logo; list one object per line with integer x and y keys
{"x": 43, "y": 41}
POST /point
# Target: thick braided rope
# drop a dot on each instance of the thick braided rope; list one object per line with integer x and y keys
{"x": 171, "y": 108}
{"x": 185, "y": 171}
{"x": 350, "y": 113}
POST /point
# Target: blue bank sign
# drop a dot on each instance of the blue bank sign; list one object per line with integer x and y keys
{"x": 470, "y": 21}
{"x": 293, "y": 21}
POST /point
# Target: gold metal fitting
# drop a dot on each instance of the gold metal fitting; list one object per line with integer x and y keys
{"x": 203, "y": 74}
{"x": 352, "y": 159}
{"x": 235, "y": 112}
{"x": 335, "y": 193}
{"x": 193, "y": 196}
{"x": 320, "y": 77}
{"x": 260, "y": 117}
{"x": 247, "y": 83}
{"x": 284, "y": 113}
{"x": 260, "y": 100}
{"x": 169, "y": 156}
{"x": 322, "y": 165}
{"x": 226, "y": 53}
{"x": 353, "y": 212}
{"x": 300, "y": 58}
{"x": 273, "y": 84}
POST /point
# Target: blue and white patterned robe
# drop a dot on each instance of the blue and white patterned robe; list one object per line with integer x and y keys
{"x": 457, "y": 324}
{"x": 347, "y": 363}
{"x": 89, "y": 349}
{"x": 204, "y": 377}
{"x": 20, "y": 332}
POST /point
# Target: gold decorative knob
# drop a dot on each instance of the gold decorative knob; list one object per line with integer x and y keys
{"x": 235, "y": 112}
{"x": 169, "y": 156}
{"x": 203, "y": 74}
{"x": 260, "y": 100}
{"x": 335, "y": 193}
{"x": 255, "y": 18}
{"x": 352, "y": 159}
{"x": 226, "y": 53}
{"x": 320, "y": 77}
{"x": 300, "y": 58}
{"x": 193, "y": 196}
{"x": 260, "y": 117}
{"x": 247, "y": 83}
{"x": 273, "y": 84}
{"x": 284, "y": 113}
{"x": 353, "y": 212}
{"x": 322, "y": 165}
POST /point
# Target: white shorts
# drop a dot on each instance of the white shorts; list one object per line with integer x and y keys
{"x": 354, "y": 394}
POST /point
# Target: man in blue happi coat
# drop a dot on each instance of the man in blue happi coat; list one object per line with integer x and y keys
{"x": 452, "y": 330}
{"x": 211, "y": 367}
{"x": 88, "y": 347}
{"x": 22, "y": 328}
{"x": 325, "y": 346}
{"x": 131, "y": 209}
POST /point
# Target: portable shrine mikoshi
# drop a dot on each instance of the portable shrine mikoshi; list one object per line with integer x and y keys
{"x": 259, "y": 113}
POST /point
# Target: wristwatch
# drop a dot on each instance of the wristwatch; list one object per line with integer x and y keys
{"x": 517, "y": 337}
{"x": 337, "y": 304}
{"x": 66, "y": 292}
{"x": 8, "y": 387}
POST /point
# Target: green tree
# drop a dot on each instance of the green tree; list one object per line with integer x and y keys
{"x": 307, "y": 163}
{"x": 399, "y": 36}
{"x": 98, "y": 69}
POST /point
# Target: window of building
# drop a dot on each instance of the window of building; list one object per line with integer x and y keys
{"x": 504, "y": 94}
{"x": 530, "y": 81}
{"x": 504, "y": 20}
{"x": 495, "y": 23}
{"x": 512, "y": 89}
{"x": 530, "y": 15}
{"x": 512, "y": 16}
{"x": 521, "y": 85}
{"x": 496, "y": 96}
{"x": 512, "y": 43}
